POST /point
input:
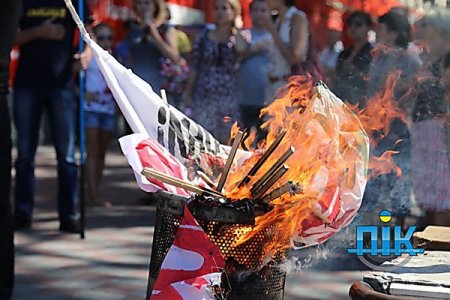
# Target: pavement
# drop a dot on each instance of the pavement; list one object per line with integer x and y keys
{"x": 112, "y": 261}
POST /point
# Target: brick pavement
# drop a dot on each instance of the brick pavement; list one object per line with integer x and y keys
{"x": 111, "y": 263}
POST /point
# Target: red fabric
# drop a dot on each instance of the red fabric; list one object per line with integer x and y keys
{"x": 191, "y": 256}
{"x": 323, "y": 17}
{"x": 13, "y": 65}
{"x": 153, "y": 155}
{"x": 112, "y": 12}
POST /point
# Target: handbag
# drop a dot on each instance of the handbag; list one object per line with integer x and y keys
{"x": 174, "y": 76}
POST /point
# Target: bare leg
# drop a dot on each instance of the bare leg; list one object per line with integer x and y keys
{"x": 92, "y": 138}
{"x": 104, "y": 137}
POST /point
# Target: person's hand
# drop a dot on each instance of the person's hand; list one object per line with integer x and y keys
{"x": 82, "y": 59}
{"x": 48, "y": 30}
{"x": 241, "y": 42}
{"x": 268, "y": 24}
{"x": 260, "y": 46}
{"x": 153, "y": 30}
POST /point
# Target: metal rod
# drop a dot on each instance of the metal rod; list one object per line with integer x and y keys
{"x": 149, "y": 172}
{"x": 288, "y": 187}
{"x": 81, "y": 137}
{"x": 226, "y": 170}
{"x": 270, "y": 182}
{"x": 263, "y": 158}
{"x": 273, "y": 169}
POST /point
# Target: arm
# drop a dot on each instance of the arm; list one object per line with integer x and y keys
{"x": 167, "y": 46}
{"x": 195, "y": 63}
{"x": 187, "y": 94}
{"x": 246, "y": 49}
{"x": 242, "y": 45}
{"x": 296, "y": 50}
{"x": 46, "y": 30}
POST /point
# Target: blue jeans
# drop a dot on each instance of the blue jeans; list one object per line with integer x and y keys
{"x": 28, "y": 106}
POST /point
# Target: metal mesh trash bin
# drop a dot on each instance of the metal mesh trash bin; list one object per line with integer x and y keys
{"x": 248, "y": 276}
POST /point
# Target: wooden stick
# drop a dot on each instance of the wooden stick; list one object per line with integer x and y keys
{"x": 270, "y": 182}
{"x": 207, "y": 180}
{"x": 288, "y": 187}
{"x": 149, "y": 172}
{"x": 226, "y": 170}
{"x": 263, "y": 158}
{"x": 273, "y": 169}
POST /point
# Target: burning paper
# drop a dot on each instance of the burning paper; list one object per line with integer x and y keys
{"x": 328, "y": 157}
{"x": 330, "y": 164}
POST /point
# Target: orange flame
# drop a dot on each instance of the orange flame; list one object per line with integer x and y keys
{"x": 381, "y": 110}
{"x": 328, "y": 139}
{"x": 383, "y": 164}
{"x": 233, "y": 131}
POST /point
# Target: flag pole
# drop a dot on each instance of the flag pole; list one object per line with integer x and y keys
{"x": 81, "y": 139}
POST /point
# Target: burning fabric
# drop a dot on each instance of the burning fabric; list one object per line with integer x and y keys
{"x": 329, "y": 163}
{"x": 302, "y": 185}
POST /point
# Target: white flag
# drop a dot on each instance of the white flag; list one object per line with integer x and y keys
{"x": 145, "y": 111}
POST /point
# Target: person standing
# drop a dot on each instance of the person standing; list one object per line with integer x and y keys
{"x": 430, "y": 152}
{"x": 211, "y": 87}
{"x": 149, "y": 41}
{"x": 100, "y": 117}
{"x": 44, "y": 80}
{"x": 354, "y": 62}
{"x": 328, "y": 57}
{"x": 9, "y": 21}
{"x": 391, "y": 55}
{"x": 290, "y": 33}
{"x": 253, "y": 74}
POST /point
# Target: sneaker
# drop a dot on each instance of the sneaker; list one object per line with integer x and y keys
{"x": 70, "y": 226}
{"x": 21, "y": 224}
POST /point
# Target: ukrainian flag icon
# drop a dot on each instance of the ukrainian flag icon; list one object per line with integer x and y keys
{"x": 385, "y": 216}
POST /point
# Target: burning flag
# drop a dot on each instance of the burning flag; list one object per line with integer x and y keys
{"x": 330, "y": 163}
{"x": 324, "y": 154}
{"x": 193, "y": 266}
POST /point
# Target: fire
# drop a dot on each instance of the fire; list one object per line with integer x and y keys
{"x": 330, "y": 161}
{"x": 381, "y": 110}
{"x": 376, "y": 117}
{"x": 383, "y": 164}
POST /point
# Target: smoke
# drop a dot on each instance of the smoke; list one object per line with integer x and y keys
{"x": 331, "y": 255}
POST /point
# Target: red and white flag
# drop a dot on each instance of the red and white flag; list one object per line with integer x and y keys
{"x": 142, "y": 151}
{"x": 192, "y": 265}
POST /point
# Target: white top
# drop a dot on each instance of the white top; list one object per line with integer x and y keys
{"x": 281, "y": 67}
{"x": 96, "y": 84}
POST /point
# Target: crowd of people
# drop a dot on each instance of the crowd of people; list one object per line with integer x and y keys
{"x": 228, "y": 74}
{"x": 235, "y": 72}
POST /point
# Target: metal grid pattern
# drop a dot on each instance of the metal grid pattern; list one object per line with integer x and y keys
{"x": 242, "y": 261}
{"x": 268, "y": 283}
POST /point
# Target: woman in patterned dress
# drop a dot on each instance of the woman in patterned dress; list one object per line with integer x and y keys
{"x": 211, "y": 89}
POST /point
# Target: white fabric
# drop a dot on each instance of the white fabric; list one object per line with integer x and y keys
{"x": 281, "y": 67}
{"x": 181, "y": 259}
